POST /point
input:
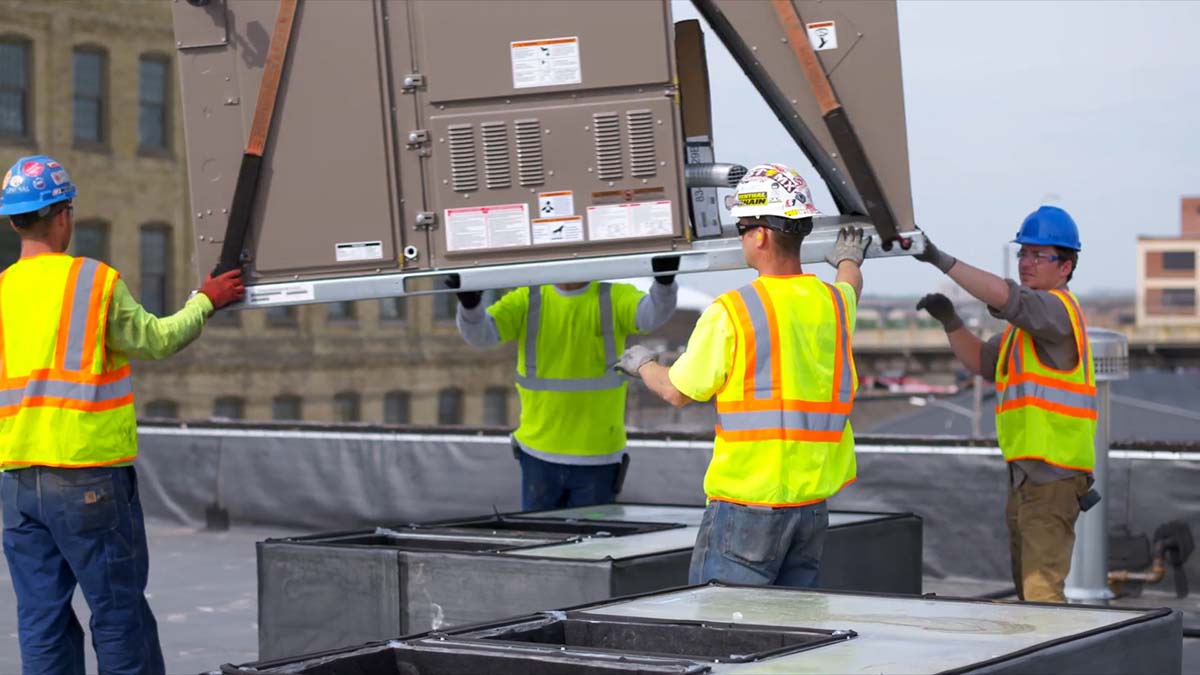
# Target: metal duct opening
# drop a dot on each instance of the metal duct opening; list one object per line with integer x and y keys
{"x": 464, "y": 166}
{"x": 531, "y": 167}
{"x": 607, "y": 138}
{"x": 497, "y": 170}
{"x": 713, "y": 175}
{"x": 643, "y": 160}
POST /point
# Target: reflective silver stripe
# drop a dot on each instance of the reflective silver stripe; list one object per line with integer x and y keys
{"x": 531, "y": 381}
{"x": 846, "y": 390}
{"x": 80, "y": 305}
{"x": 782, "y": 419}
{"x": 763, "y": 389}
{"x": 1051, "y": 394}
{"x": 75, "y": 391}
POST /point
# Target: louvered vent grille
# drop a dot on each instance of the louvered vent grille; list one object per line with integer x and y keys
{"x": 643, "y": 161}
{"x": 531, "y": 167}
{"x": 497, "y": 169}
{"x": 464, "y": 166}
{"x": 607, "y": 135}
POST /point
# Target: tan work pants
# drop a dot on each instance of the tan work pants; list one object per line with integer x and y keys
{"x": 1041, "y": 529}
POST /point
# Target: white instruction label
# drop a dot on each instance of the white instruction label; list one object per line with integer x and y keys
{"x": 269, "y": 295}
{"x": 359, "y": 250}
{"x": 556, "y": 204}
{"x": 554, "y": 230}
{"x": 625, "y": 221}
{"x": 546, "y": 63}
{"x": 823, "y": 35}
{"x": 499, "y": 226}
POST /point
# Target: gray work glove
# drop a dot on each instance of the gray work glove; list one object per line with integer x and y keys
{"x": 633, "y": 359}
{"x": 940, "y": 308}
{"x": 851, "y": 245}
{"x": 936, "y": 257}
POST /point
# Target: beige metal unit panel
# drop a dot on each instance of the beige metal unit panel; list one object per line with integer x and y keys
{"x": 865, "y": 72}
{"x": 617, "y": 156}
{"x": 466, "y": 46}
{"x": 327, "y": 174}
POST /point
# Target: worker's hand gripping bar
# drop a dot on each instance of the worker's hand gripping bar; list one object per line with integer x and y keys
{"x": 233, "y": 249}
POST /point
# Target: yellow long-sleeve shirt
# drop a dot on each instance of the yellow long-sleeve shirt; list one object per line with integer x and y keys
{"x": 141, "y": 335}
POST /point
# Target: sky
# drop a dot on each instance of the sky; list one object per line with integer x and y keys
{"x": 1089, "y": 105}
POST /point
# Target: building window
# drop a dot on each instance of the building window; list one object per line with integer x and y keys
{"x": 393, "y": 309}
{"x": 281, "y": 315}
{"x": 450, "y": 406}
{"x": 162, "y": 408}
{"x": 1179, "y": 297}
{"x": 346, "y": 407}
{"x": 90, "y": 84}
{"x": 397, "y": 407}
{"x": 14, "y": 87}
{"x": 91, "y": 240}
{"x": 287, "y": 407}
{"x": 152, "y": 103}
{"x": 444, "y": 306}
{"x": 230, "y": 408}
{"x": 495, "y": 407}
{"x": 1179, "y": 260}
{"x": 341, "y": 311}
{"x": 155, "y": 252}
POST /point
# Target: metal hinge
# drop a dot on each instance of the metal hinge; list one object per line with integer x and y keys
{"x": 412, "y": 82}
{"x": 417, "y": 137}
{"x": 426, "y": 220}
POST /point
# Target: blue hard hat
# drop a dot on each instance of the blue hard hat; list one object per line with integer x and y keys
{"x": 1049, "y": 226}
{"x": 34, "y": 183}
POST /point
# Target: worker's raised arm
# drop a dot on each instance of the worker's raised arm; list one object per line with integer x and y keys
{"x": 135, "y": 332}
{"x": 966, "y": 347}
{"x": 985, "y": 286}
{"x": 847, "y": 257}
{"x": 487, "y": 326}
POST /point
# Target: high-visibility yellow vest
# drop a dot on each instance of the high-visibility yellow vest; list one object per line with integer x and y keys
{"x": 783, "y": 436}
{"x": 572, "y": 403}
{"x": 1043, "y": 413}
{"x": 65, "y": 399}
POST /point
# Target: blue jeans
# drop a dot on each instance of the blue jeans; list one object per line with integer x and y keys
{"x": 759, "y": 546}
{"x": 547, "y": 485}
{"x": 85, "y": 526}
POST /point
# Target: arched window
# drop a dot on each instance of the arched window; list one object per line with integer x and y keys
{"x": 229, "y": 407}
{"x": 161, "y": 408}
{"x": 397, "y": 407}
{"x": 495, "y": 406}
{"x": 287, "y": 407}
{"x": 91, "y": 240}
{"x": 347, "y": 406}
{"x": 450, "y": 406}
{"x": 91, "y": 95}
{"x": 153, "y": 97}
{"x": 155, "y": 266}
{"x": 16, "y": 75}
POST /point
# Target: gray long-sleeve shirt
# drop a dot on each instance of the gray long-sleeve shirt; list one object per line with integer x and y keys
{"x": 1043, "y": 316}
{"x": 479, "y": 329}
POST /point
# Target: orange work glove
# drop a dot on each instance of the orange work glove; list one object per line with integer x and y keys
{"x": 224, "y": 288}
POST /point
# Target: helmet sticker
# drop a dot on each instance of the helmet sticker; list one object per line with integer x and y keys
{"x": 38, "y": 183}
{"x": 59, "y": 177}
{"x": 53, "y": 165}
{"x": 753, "y": 198}
{"x": 7, "y": 178}
{"x": 15, "y": 181}
{"x": 32, "y": 168}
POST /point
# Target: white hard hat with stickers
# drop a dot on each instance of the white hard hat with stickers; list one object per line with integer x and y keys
{"x": 773, "y": 191}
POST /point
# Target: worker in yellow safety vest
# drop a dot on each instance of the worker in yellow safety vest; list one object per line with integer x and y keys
{"x": 1045, "y": 392}
{"x": 571, "y": 439}
{"x": 68, "y": 436}
{"x": 776, "y": 354}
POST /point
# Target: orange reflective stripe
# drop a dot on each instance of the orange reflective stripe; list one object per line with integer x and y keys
{"x": 1043, "y": 459}
{"x": 1022, "y": 378}
{"x": 780, "y": 435}
{"x": 1059, "y": 408}
{"x": 785, "y": 404}
{"x": 750, "y": 356}
{"x": 64, "y": 321}
{"x": 837, "y": 349}
{"x": 109, "y": 462}
{"x": 773, "y": 332}
{"x": 93, "y": 316}
{"x": 67, "y": 376}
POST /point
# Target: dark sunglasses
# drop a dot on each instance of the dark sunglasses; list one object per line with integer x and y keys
{"x": 743, "y": 229}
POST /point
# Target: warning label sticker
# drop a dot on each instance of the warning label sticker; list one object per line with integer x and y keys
{"x": 280, "y": 293}
{"x": 359, "y": 250}
{"x": 556, "y": 204}
{"x": 546, "y": 63}
{"x": 556, "y": 230}
{"x": 499, "y": 226}
{"x": 626, "y": 221}
{"x": 823, "y": 35}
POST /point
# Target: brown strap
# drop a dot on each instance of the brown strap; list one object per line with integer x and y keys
{"x": 798, "y": 37}
{"x": 272, "y": 72}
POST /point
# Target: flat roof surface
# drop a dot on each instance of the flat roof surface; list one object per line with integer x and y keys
{"x": 895, "y": 635}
